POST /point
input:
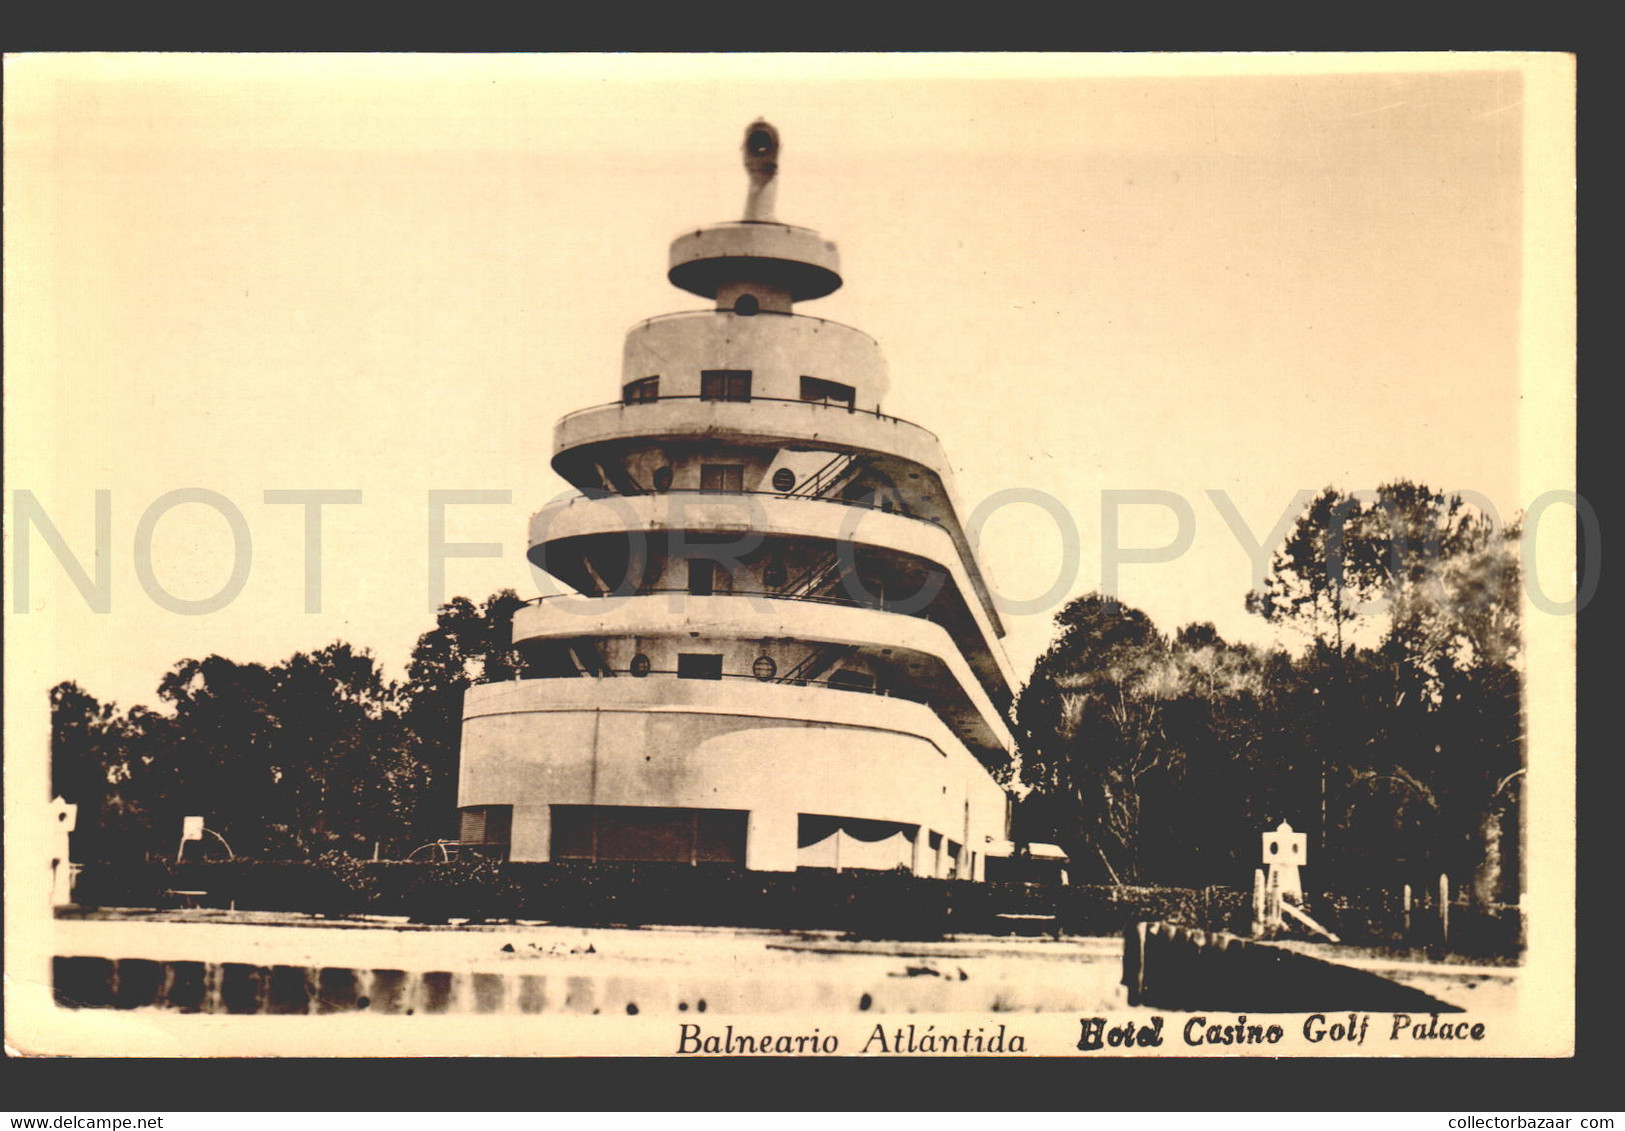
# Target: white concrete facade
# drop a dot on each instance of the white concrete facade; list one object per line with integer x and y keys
{"x": 776, "y": 649}
{"x": 779, "y": 349}
{"x": 776, "y": 753}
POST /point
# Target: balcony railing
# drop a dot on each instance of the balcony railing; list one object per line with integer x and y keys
{"x": 815, "y": 406}
{"x": 884, "y": 692}
{"x": 867, "y": 502}
{"x": 879, "y": 604}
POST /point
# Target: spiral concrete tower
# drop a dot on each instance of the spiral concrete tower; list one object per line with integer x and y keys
{"x": 780, "y": 652}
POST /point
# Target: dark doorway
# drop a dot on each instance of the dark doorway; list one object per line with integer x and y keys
{"x": 606, "y": 834}
{"x": 699, "y": 665}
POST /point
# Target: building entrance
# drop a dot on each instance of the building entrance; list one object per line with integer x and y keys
{"x": 636, "y": 834}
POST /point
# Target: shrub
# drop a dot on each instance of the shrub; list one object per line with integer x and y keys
{"x": 472, "y": 889}
{"x": 129, "y": 884}
{"x": 868, "y": 905}
{"x": 342, "y": 885}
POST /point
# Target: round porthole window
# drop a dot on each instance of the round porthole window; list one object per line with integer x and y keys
{"x": 783, "y": 479}
{"x": 747, "y": 305}
{"x": 764, "y": 668}
{"x": 662, "y": 479}
{"x": 640, "y": 665}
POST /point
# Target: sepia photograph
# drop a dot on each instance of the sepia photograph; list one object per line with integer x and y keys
{"x": 812, "y": 555}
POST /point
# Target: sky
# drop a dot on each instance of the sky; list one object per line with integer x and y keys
{"x": 392, "y": 274}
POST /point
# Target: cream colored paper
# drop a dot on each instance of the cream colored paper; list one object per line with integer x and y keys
{"x": 392, "y": 274}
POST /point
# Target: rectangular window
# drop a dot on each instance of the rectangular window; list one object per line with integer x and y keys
{"x": 636, "y": 392}
{"x": 725, "y": 384}
{"x": 722, "y": 477}
{"x": 625, "y": 834}
{"x": 702, "y": 577}
{"x": 571, "y": 837}
{"x": 706, "y": 577}
{"x": 698, "y": 665}
{"x": 486, "y": 829}
{"x": 831, "y": 392}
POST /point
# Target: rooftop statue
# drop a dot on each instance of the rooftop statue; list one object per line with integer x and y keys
{"x": 762, "y": 163}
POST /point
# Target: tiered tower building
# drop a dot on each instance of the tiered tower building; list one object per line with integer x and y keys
{"x": 780, "y": 652}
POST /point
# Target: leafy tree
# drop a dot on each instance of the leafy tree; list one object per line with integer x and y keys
{"x": 316, "y": 755}
{"x": 1310, "y": 587}
{"x": 1090, "y": 719}
{"x": 221, "y": 737}
{"x": 1224, "y": 719}
{"x": 1158, "y": 757}
{"x": 469, "y": 644}
{"x": 98, "y": 763}
{"x": 1419, "y": 733}
{"x": 307, "y": 756}
{"x": 1395, "y": 738}
{"x": 1428, "y": 567}
{"x": 352, "y": 762}
{"x": 85, "y": 758}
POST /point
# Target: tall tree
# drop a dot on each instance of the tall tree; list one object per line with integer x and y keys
{"x": 306, "y": 756}
{"x": 1310, "y": 586}
{"x": 353, "y": 764}
{"x": 469, "y": 644}
{"x": 1090, "y": 721}
{"x": 1422, "y": 727}
{"x": 1156, "y": 757}
{"x": 98, "y": 763}
{"x": 315, "y": 754}
{"x": 1232, "y": 773}
{"x": 222, "y": 739}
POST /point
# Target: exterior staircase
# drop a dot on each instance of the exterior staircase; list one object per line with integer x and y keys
{"x": 819, "y": 576}
{"x": 842, "y": 469}
{"x": 816, "y": 663}
{"x": 620, "y": 479}
{"x": 593, "y": 660}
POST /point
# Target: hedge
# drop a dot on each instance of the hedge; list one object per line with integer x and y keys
{"x": 875, "y": 905}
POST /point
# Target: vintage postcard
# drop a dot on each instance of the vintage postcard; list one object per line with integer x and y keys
{"x": 797, "y": 554}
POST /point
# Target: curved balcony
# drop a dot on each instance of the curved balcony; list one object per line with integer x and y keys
{"x": 956, "y": 692}
{"x": 743, "y": 695}
{"x": 739, "y": 694}
{"x": 772, "y": 749}
{"x": 798, "y": 259}
{"x": 764, "y": 421}
{"x": 759, "y": 420}
{"x": 773, "y": 514}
